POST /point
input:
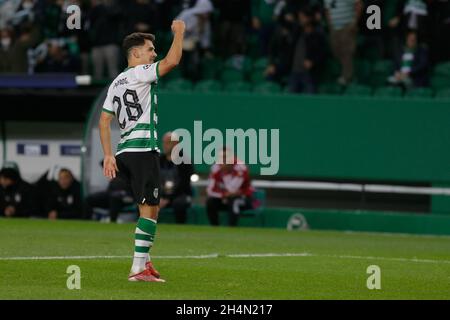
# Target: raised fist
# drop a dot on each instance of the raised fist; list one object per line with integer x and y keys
{"x": 178, "y": 26}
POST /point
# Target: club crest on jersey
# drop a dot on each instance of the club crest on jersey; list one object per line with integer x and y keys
{"x": 155, "y": 193}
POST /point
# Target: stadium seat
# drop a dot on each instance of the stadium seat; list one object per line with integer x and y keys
{"x": 211, "y": 68}
{"x": 443, "y": 94}
{"x": 367, "y": 49}
{"x": 260, "y": 64}
{"x": 178, "y": 85}
{"x": 330, "y": 88}
{"x": 388, "y": 92}
{"x": 331, "y": 71}
{"x": 419, "y": 93}
{"x": 239, "y": 86}
{"x": 239, "y": 63}
{"x": 439, "y": 82}
{"x": 253, "y": 46}
{"x": 230, "y": 75}
{"x": 172, "y": 75}
{"x": 257, "y": 76}
{"x": 267, "y": 87}
{"x": 208, "y": 86}
{"x": 442, "y": 69}
{"x": 358, "y": 90}
{"x": 363, "y": 71}
{"x": 383, "y": 67}
{"x": 381, "y": 70}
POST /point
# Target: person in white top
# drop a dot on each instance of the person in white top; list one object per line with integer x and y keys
{"x": 132, "y": 100}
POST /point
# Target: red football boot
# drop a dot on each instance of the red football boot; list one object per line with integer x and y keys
{"x": 145, "y": 276}
{"x": 149, "y": 266}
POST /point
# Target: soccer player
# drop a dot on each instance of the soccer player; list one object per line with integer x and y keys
{"x": 132, "y": 100}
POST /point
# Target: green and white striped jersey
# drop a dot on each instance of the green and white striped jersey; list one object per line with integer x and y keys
{"x": 342, "y": 12}
{"x": 132, "y": 99}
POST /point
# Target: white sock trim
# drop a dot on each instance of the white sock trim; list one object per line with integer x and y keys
{"x": 143, "y": 243}
{"x": 152, "y": 220}
{"x": 139, "y": 231}
{"x": 140, "y": 255}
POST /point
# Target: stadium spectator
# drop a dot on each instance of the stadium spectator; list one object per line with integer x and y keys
{"x": 140, "y": 16}
{"x": 263, "y": 22}
{"x": 43, "y": 188}
{"x": 64, "y": 201}
{"x": 342, "y": 18}
{"x": 114, "y": 199}
{"x": 281, "y": 46}
{"x": 15, "y": 47}
{"x": 412, "y": 69}
{"x": 58, "y": 59}
{"x": 51, "y": 18}
{"x": 7, "y": 11}
{"x": 197, "y": 38}
{"x": 5, "y": 50}
{"x": 309, "y": 55}
{"x": 229, "y": 188}
{"x": 409, "y": 15}
{"x": 16, "y": 195}
{"x": 439, "y": 30}
{"x": 105, "y": 20}
{"x": 176, "y": 189}
{"x": 165, "y": 11}
{"x": 94, "y": 49}
{"x": 234, "y": 18}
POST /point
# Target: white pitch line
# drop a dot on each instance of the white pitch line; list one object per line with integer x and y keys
{"x": 264, "y": 255}
{"x": 208, "y": 256}
{"x": 205, "y": 256}
{"x": 240, "y": 255}
{"x": 64, "y": 258}
{"x": 390, "y": 259}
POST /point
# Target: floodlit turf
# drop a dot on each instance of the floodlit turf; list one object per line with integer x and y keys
{"x": 333, "y": 266}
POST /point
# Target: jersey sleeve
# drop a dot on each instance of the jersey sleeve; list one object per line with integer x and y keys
{"x": 107, "y": 105}
{"x": 147, "y": 73}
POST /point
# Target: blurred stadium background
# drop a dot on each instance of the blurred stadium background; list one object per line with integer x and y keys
{"x": 356, "y": 153}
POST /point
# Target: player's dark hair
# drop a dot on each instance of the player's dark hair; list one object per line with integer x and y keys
{"x": 136, "y": 39}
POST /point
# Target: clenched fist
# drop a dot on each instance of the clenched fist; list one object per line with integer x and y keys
{"x": 178, "y": 26}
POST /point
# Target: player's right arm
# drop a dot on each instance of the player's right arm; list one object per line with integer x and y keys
{"x": 104, "y": 125}
{"x": 173, "y": 57}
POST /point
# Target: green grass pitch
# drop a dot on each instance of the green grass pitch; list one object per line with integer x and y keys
{"x": 322, "y": 265}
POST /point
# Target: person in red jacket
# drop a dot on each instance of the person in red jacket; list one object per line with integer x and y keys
{"x": 229, "y": 189}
